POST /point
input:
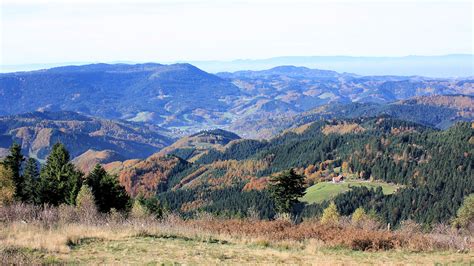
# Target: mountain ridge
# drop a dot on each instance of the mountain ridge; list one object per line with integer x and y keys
{"x": 185, "y": 99}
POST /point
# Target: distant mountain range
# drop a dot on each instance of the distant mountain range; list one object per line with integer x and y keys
{"x": 184, "y": 99}
{"x": 454, "y": 65}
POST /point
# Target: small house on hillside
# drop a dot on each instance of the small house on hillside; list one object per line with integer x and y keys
{"x": 338, "y": 179}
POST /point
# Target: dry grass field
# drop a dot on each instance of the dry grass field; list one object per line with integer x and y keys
{"x": 162, "y": 244}
{"x": 32, "y": 235}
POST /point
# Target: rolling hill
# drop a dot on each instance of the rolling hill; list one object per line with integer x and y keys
{"x": 440, "y": 111}
{"x": 186, "y": 100}
{"x": 37, "y": 132}
{"x": 194, "y": 146}
{"x": 169, "y": 95}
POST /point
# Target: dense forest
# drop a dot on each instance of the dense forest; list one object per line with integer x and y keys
{"x": 434, "y": 168}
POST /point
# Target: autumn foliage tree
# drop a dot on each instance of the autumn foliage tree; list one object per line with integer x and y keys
{"x": 7, "y": 186}
{"x": 330, "y": 214}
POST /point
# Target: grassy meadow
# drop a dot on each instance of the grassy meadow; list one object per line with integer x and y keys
{"x": 327, "y": 190}
{"x": 133, "y": 246}
{"x": 65, "y": 236}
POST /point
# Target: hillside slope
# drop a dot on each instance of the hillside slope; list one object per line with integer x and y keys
{"x": 411, "y": 156}
{"x": 170, "y": 95}
{"x": 439, "y": 111}
{"x": 192, "y": 147}
{"x": 37, "y": 132}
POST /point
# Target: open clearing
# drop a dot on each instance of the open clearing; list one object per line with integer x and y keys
{"x": 328, "y": 190}
{"x": 171, "y": 249}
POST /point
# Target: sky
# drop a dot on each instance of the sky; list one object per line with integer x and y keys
{"x": 164, "y": 31}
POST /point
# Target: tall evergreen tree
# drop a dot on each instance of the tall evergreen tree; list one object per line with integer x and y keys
{"x": 108, "y": 192}
{"x": 59, "y": 180}
{"x": 31, "y": 179}
{"x": 13, "y": 162}
{"x": 286, "y": 189}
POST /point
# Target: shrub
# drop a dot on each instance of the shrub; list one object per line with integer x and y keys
{"x": 138, "y": 210}
{"x": 361, "y": 244}
{"x": 409, "y": 227}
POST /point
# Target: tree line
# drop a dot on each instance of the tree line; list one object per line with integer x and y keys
{"x": 57, "y": 181}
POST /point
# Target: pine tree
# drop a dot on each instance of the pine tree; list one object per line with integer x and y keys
{"x": 59, "y": 180}
{"x": 31, "y": 179}
{"x": 286, "y": 189}
{"x": 107, "y": 190}
{"x": 13, "y": 162}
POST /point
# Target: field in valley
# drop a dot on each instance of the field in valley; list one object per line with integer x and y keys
{"x": 327, "y": 190}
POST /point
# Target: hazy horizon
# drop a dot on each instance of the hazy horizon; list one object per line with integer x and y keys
{"x": 440, "y": 66}
{"x": 55, "y": 31}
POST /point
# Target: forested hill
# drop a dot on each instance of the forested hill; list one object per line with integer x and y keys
{"x": 169, "y": 95}
{"x": 440, "y": 111}
{"x": 433, "y": 168}
{"x": 99, "y": 140}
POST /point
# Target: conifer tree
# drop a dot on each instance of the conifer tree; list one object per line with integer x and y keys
{"x": 13, "y": 162}
{"x": 85, "y": 204}
{"x": 286, "y": 189}
{"x": 59, "y": 180}
{"x": 107, "y": 190}
{"x": 31, "y": 179}
{"x": 359, "y": 215}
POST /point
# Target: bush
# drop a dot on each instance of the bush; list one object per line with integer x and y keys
{"x": 138, "y": 210}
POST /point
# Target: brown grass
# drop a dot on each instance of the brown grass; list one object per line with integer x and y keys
{"x": 34, "y": 234}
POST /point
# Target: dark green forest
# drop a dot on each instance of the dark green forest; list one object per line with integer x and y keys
{"x": 434, "y": 167}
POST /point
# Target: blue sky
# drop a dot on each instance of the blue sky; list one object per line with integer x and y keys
{"x": 162, "y": 31}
